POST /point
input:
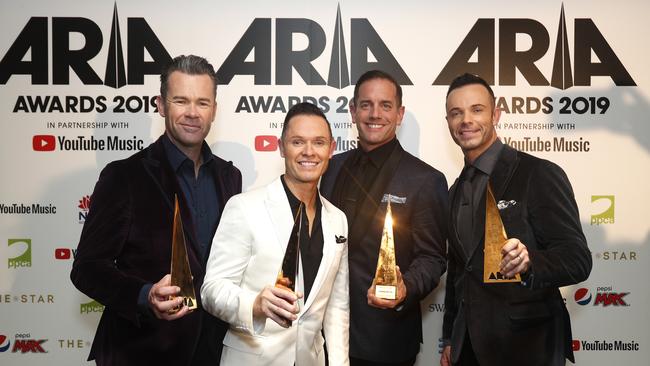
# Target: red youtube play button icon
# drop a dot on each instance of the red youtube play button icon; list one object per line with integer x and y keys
{"x": 43, "y": 143}
{"x": 266, "y": 143}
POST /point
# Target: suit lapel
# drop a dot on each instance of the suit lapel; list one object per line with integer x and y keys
{"x": 278, "y": 209}
{"x": 332, "y": 176}
{"x": 329, "y": 245}
{"x": 453, "y": 191}
{"x": 157, "y": 166}
{"x": 503, "y": 171}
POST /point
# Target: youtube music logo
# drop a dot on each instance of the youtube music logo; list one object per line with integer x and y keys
{"x": 65, "y": 253}
{"x": 43, "y": 142}
{"x": 266, "y": 143}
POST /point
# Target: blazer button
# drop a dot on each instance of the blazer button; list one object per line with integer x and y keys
{"x": 468, "y": 268}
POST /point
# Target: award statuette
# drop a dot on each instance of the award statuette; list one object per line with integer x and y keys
{"x": 386, "y": 275}
{"x": 495, "y": 237}
{"x": 289, "y": 272}
{"x": 180, "y": 272}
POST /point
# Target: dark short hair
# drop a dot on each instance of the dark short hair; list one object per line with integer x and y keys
{"x": 191, "y": 65}
{"x": 377, "y": 74}
{"x": 307, "y": 109}
{"x": 469, "y": 79}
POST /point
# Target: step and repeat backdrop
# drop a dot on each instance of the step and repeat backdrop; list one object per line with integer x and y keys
{"x": 78, "y": 81}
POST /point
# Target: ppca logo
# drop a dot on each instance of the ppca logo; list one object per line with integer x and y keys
{"x": 91, "y": 307}
{"x": 25, "y": 258}
{"x": 607, "y": 216}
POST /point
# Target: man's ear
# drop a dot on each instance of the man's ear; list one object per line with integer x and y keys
{"x": 281, "y": 148}
{"x": 160, "y": 103}
{"x": 352, "y": 109}
{"x": 496, "y": 115}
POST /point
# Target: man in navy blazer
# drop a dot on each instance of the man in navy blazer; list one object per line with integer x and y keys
{"x": 124, "y": 254}
{"x": 360, "y": 182}
{"x": 511, "y": 323}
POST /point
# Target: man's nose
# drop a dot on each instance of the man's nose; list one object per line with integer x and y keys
{"x": 192, "y": 110}
{"x": 375, "y": 112}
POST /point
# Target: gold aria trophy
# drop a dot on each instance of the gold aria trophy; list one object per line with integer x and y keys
{"x": 289, "y": 271}
{"x": 495, "y": 237}
{"x": 386, "y": 275}
{"x": 180, "y": 272}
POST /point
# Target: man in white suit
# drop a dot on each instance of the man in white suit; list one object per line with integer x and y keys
{"x": 271, "y": 325}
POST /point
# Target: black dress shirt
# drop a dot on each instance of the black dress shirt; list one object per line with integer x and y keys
{"x": 473, "y": 184}
{"x": 311, "y": 244}
{"x": 364, "y": 168}
{"x": 199, "y": 191}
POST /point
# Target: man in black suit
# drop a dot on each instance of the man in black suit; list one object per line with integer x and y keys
{"x": 124, "y": 254}
{"x": 512, "y": 323}
{"x": 360, "y": 182}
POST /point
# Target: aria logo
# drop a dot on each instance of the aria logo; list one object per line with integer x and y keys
{"x": 28, "y": 55}
{"x": 25, "y": 258}
{"x": 257, "y": 40}
{"x": 84, "y": 207}
{"x": 607, "y": 216}
{"x": 587, "y": 40}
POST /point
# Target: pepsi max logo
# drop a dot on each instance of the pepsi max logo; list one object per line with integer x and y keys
{"x": 4, "y": 343}
{"x": 582, "y": 296}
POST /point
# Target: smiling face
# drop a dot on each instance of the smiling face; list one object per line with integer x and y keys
{"x": 306, "y": 148}
{"x": 471, "y": 118}
{"x": 189, "y": 109}
{"x": 376, "y": 112}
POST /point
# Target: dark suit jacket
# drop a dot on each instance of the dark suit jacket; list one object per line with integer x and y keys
{"x": 509, "y": 323}
{"x": 420, "y": 231}
{"x": 126, "y": 243}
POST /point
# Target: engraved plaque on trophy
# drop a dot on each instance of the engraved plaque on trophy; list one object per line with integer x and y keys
{"x": 495, "y": 237}
{"x": 386, "y": 275}
{"x": 181, "y": 275}
{"x": 289, "y": 272}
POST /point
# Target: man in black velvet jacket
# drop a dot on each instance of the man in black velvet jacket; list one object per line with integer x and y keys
{"x": 513, "y": 323}
{"x": 124, "y": 254}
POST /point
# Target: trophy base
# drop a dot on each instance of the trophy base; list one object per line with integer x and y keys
{"x": 187, "y": 301}
{"x": 386, "y": 292}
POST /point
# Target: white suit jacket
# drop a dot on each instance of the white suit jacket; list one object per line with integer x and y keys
{"x": 246, "y": 255}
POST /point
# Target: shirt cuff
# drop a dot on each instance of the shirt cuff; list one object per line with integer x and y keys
{"x": 143, "y": 299}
